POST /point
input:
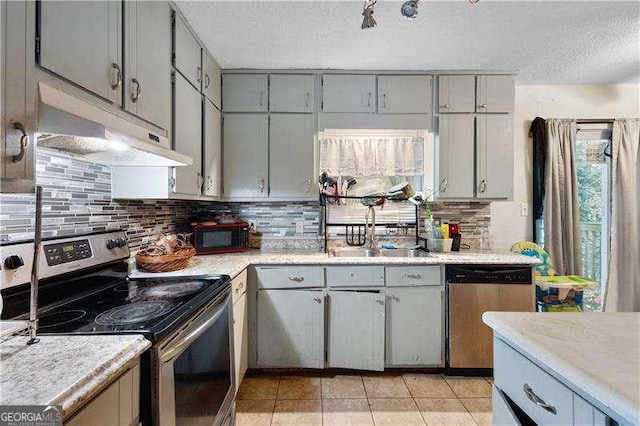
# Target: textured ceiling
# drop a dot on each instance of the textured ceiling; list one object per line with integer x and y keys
{"x": 552, "y": 42}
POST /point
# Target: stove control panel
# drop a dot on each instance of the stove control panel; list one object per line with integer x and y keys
{"x": 67, "y": 252}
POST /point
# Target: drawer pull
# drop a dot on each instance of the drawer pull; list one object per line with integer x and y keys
{"x": 537, "y": 400}
{"x": 297, "y": 279}
{"x": 317, "y": 299}
{"x": 414, "y": 276}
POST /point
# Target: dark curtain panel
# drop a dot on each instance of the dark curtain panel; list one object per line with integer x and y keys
{"x": 539, "y": 134}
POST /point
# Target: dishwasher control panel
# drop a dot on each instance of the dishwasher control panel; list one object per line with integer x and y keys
{"x": 489, "y": 274}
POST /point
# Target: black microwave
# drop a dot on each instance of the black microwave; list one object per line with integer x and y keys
{"x": 221, "y": 238}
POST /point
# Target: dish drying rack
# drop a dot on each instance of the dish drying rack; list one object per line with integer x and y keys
{"x": 355, "y": 231}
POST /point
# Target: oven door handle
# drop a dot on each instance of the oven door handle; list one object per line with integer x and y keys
{"x": 178, "y": 347}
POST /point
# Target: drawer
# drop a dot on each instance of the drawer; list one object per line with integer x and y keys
{"x": 531, "y": 388}
{"x": 239, "y": 286}
{"x": 410, "y": 276}
{"x": 289, "y": 276}
{"x": 355, "y": 276}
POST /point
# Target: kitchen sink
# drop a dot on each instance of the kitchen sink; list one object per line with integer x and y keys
{"x": 366, "y": 252}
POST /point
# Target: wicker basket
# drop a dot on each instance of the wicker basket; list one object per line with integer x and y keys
{"x": 175, "y": 261}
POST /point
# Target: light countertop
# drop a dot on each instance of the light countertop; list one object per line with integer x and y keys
{"x": 234, "y": 263}
{"x": 595, "y": 354}
{"x": 64, "y": 370}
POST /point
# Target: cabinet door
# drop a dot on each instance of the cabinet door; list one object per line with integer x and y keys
{"x": 244, "y": 92}
{"x": 81, "y": 41}
{"x": 348, "y": 93}
{"x": 245, "y": 150}
{"x": 212, "y": 84}
{"x": 212, "y": 151}
{"x": 494, "y": 156}
{"x": 148, "y": 59}
{"x": 187, "y": 138}
{"x": 456, "y": 93}
{"x": 495, "y": 93}
{"x": 187, "y": 54}
{"x": 456, "y": 156}
{"x": 291, "y": 93}
{"x": 356, "y": 330}
{"x": 502, "y": 413}
{"x": 291, "y": 164}
{"x": 290, "y": 328}
{"x": 240, "y": 338}
{"x": 17, "y": 97}
{"x": 404, "y": 94}
{"x": 415, "y": 327}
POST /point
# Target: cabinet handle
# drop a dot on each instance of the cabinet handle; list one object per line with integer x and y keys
{"x": 369, "y": 99}
{"x": 445, "y": 106}
{"x": 209, "y": 182}
{"x": 384, "y": 100}
{"x": 482, "y": 106}
{"x": 297, "y": 279}
{"x": 200, "y": 183}
{"x": 308, "y": 99}
{"x": 241, "y": 284}
{"x": 537, "y": 400}
{"x": 317, "y": 299}
{"x": 24, "y": 142}
{"x": 380, "y": 302}
{"x": 207, "y": 81}
{"x": 308, "y": 190}
{"x": 199, "y": 79}
{"x": 261, "y": 185}
{"x": 443, "y": 185}
{"x": 396, "y": 298}
{"x": 118, "y": 82}
{"x": 135, "y": 95}
{"x": 261, "y": 98}
{"x": 482, "y": 187}
{"x": 414, "y": 276}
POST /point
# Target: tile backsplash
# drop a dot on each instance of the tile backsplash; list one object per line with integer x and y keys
{"x": 77, "y": 200}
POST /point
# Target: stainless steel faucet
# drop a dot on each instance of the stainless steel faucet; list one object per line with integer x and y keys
{"x": 371, "y": 230}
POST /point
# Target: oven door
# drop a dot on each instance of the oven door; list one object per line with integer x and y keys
{"x": 196, "y": 377}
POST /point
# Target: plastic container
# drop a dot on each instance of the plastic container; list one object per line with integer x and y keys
{"x": 442, "y": 246}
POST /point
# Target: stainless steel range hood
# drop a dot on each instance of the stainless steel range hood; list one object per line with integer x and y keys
{"x": 73, "y": 125}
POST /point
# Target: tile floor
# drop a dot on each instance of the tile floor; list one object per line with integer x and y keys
{"x": 406, "y": 399}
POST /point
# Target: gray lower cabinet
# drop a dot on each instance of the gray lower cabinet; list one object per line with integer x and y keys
{"x": 356, "y": 330}
{"x": 456, "y": 145}
{"x": 290, "y": 328}
{"x": 82, "y": 42}
{"x": 187, "y": 137}
{"x": 148, "y": 58}
{"x": 187, "y": 53}
{"x": 415, "y": 326}
{"x": 291, "y": 165}
{"x": 245, "y": 93}
{"x": 245, "y": 152}
{"x": 349, "y": 93}
{"x": 17, "y": 97}
{"x": 404, "y": 94}
{"x": 291, "y": 92}
{"x": 494, "y": 156}
{"x": 212, "y": 150}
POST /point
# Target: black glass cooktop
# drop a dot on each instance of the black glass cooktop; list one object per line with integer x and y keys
{"x": 111, "y": 304}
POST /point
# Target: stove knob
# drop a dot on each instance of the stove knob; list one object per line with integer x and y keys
{"x": 111, "y": 244}
{"x": 13, "y": 262}
{"x": 121, "y": 242}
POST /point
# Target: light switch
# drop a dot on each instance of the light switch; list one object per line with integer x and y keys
{"x": 524, "y": 209}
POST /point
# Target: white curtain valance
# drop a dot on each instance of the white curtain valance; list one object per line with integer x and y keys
{"x": 372, "y": 153}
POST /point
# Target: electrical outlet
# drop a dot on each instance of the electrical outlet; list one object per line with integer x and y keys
{"x": 524, "y": 209}
{"x": 299, "y": 226}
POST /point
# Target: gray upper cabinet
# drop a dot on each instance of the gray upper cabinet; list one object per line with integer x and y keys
{"x": 415, "y": 326}
{"x": 81, "y": 41}
{"x": 456, "y": 93}
{"x": 356, "y": 330}
{"x": 494, "y": 156}
{"x": 495, "y": 93}
{"x": 211, "y": 83}
{"x": 17, "y": 97}
{"x": 245, "y": 92}
{"x": 291, "y": 165}
{"x": 212, "y": 152}
{"x": 245, "y": 151}
{"x": 456, "y": 147}
{"x": 404, "y": 94}
{"x": 290, "y": 328}
{"x": 148, "y": 59}
{"x": 187, "y": 138}
{"x": 348, "y": 93}
{"x": 187, "y": 54}
{"x": 291, "y": 93}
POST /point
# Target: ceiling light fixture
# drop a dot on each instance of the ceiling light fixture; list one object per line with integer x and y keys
{"x": 367, "y": 12}
{"x": 409, "y": 9}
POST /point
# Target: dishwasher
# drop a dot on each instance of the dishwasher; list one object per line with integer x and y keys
{"x": 473, "y": 290}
